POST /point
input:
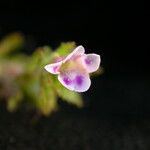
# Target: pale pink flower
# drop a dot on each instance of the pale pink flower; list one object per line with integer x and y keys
{"x": 73, "y": 71}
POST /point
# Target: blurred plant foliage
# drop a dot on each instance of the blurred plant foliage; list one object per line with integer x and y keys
{"x": 23, "y": 78}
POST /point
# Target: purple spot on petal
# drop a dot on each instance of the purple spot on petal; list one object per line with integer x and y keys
{"x": 67, "y": 81}
{"x": 55, "y": 68}
{"x": 88, "y": 61}
{"x": 79, "y": 80}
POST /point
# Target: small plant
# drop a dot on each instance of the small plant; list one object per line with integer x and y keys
{"x": 24, "y": 79}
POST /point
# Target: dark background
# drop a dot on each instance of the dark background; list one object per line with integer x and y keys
{"x": 119, "y": 32}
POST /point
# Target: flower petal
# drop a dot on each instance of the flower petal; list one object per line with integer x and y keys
{"x": 53, "y": 68}
{"x": 75, "y": 81}
{"x": 91, "y": 62}
{"x": 78, "y": 51}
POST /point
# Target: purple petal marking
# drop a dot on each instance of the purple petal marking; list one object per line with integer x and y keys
{"x": 82, "y": 83}
{"x": 79, "y": 80}
{"x": 88, "y": 61}
{"x": 55, "y": 68}
{"x": 67, "y": 81}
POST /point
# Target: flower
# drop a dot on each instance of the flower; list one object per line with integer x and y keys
{"x": 73, "y": 71}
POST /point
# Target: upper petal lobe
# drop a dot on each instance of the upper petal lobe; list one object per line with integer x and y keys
{"x": 79, "y": 51}
{"x": 91, "y": 62}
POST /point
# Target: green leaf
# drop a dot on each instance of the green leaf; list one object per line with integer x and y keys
{"x": 11, "y": 42}
{"x": 46, "y": 102}
{"x": 39, "y": 59}
{"x": 47, "y": 99}
{"x": 30, "y": 85}
{"x": 65, "y": 48}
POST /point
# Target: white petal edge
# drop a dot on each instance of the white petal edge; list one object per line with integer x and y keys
{"x": 53, "y": 68}
{"x": 74, "y": 85}
{"x": 78, "y": 51}
{"x": 91, "y": 62}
